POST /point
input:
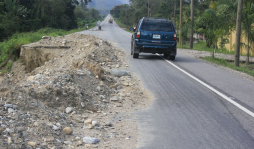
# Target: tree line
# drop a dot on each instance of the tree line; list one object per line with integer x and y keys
{"x": 31, "y": 15}
{"x": 213, "y": 18}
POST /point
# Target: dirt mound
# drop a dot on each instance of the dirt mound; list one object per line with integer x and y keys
{"x": 49, "y": 90}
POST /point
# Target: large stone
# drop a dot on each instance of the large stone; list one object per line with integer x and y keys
{"x": 10, "y": 110}
{"x": 9, "y": 140}
{"x": 114, "y": 99}
{"x": 20, "y": 128}
{"x": 32, "y": 144}
{"x": 89, "y": 140}
{"x": 119, "y": 73}
{"x": 68, "y": 142}
{"x": 45, "y": 37}
{"x": 68, "y": 130}
{"x": 95, "y": 123}
{"x": 88, "y": 121}
{"x": 90, "y": 126}
{"x": 69, "y": 110}
{"x": 54, "y": 127}
{"x": 49, "y": 139}
{"x": 8, "y": 105}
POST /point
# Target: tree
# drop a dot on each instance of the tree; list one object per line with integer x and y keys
{"x": 150, "y": 6}
{"x": 180, "y": 23}
{"x": 12, "y": 18}
{"x": 175, "y": 13}
{"x": 212, "y": 24}
{"x": 238, "y": 32}
{"x": 247, "y": 25}
{"x": 192, "y": 20}
{"x": 165, "y": 9}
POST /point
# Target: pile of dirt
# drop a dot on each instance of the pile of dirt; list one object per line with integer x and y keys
{"x": 77, "y": 98}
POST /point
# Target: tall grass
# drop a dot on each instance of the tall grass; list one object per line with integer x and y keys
{"x": 9, "y": 49}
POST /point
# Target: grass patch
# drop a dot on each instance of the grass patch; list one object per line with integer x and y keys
{"x": 248, "y": 69}
{"x": 201, "y": 46}
{"x": 124, "y": 26}
{"x": 9, "y": 49}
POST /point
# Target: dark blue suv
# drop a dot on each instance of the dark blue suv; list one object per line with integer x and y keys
{"x": 154, "y": 35}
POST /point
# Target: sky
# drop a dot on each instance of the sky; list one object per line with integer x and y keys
{"x": 125, "y": 1}
{"x": 104, "y": 6}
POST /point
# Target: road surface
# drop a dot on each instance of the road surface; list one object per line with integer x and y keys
{"x": 196, "y": 104}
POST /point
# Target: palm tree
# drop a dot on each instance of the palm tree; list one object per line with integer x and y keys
{"x": 213, "y": 26}
{"x": 180, "y": 24}
{"x": 247, "y": 25}
{"x": 192, "y": 20}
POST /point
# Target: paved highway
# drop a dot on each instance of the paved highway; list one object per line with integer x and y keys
{"x": 196, "y": 104}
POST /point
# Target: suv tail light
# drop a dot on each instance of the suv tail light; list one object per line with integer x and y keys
{"x": 174, "y": 37}
{"x": 138, "y": 34}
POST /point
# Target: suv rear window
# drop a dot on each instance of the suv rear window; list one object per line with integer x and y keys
{"x": 156, "y": 26}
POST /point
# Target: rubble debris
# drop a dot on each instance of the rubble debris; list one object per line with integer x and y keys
{"x": 65, "y": 101}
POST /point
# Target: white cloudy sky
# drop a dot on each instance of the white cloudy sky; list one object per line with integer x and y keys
{"x": 125, "y": 1}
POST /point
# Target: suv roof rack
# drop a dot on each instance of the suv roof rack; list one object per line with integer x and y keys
{"x": 154, "y": 18}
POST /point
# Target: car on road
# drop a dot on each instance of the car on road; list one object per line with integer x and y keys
{"x": 154, "y": 35}
{"x": 110, "y": 20}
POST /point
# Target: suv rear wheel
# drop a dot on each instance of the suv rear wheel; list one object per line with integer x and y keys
{"x": 135, "y": 55}
{"x": 133, "y": 49}
{"x": 169, "y": 57}
{"x": 172, "y": 58}
{"x": 166, "y": 55}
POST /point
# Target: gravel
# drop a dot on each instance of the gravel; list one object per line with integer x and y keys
{"x": 65, "y": 102}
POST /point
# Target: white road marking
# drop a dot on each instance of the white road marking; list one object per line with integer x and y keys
{"x": 204, "y": 84}
{"x": 211, "y": 88}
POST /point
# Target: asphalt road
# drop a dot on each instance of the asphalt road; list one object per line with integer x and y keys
{"x": 207, "y": 108}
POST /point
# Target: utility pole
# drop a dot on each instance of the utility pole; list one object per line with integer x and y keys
{"x": 148, "y": 8}
{"x": 175, "y": 14}
{"x": 238, "y": 32}
{"x": 191, "y": 31}
{"x": 180, "y": 24}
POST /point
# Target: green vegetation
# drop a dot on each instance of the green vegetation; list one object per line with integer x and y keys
{"x": 202, "y": 46}
{"x": 32, "y": 15}
{"x": 124, "y": 26}
{"x": 213, "y": 18}
{"x": 26, "y": 21}
{"x": 10, "y": 48}
{"x": 86, "y": 16}
{"x": 243, "y": 67}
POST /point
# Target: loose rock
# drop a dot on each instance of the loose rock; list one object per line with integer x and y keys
{"x": 41, "y": 97}
{"x": 32, "y": 144}
{"x": 68, "y": 130}
{"x": 89, "y": 140}
{"x": 69, "y": 110}
{"x": 119, "y": 73}
{"x": 95, "y": 123}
